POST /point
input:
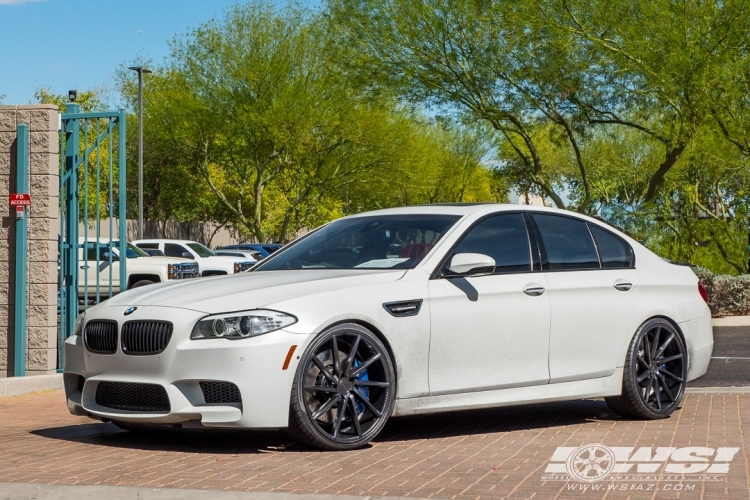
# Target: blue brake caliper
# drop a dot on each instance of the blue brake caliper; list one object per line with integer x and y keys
{"x": 365, "y": 391}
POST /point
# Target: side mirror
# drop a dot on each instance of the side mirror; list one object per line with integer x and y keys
{"x": 187, "y": 255}
{"x": 112, "y": 255}
{"x": 471, "y": 264}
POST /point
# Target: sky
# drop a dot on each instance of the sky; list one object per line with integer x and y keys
{"x": 79, "y": 44}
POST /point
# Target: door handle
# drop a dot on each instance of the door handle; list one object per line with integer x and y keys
{"x": 85, "y": 266}
{"x": 623, "y": 286}
{"x": 534, "y": 290}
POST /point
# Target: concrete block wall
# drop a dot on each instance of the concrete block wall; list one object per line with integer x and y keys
{"x": 44, "y": 226}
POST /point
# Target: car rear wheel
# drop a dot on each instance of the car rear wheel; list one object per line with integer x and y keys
{"x": 343, "y": 391}
{"x": 141, "y": 283}
{"x": 655, "y": 373}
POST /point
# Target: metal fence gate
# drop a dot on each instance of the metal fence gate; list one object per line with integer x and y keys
{"x": 92, "y": 186}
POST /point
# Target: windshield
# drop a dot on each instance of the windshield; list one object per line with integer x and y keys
{"x": 201, "y": 250}
{"x": 376, "y": 242}
{"x": 133, "y": 251}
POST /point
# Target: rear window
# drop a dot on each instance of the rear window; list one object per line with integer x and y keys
{"x": 613, "y": 251}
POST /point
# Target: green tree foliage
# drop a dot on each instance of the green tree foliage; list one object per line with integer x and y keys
{"x": 608, "y": 107}
{"x": 250, "y": 122}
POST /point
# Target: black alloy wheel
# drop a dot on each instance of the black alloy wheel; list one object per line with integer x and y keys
{"x": 655, "y": 373}
{"x": 343, "y": 391}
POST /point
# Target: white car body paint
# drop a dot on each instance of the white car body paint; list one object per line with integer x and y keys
{"x": 567, "y": 343}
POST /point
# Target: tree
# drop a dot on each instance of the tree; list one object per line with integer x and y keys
{"x": 265, "y": 132}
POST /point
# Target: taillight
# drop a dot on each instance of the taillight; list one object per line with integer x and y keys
{"x": 702, "y": 291}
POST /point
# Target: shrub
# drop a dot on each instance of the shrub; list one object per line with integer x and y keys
{"x": 727, "y": 295}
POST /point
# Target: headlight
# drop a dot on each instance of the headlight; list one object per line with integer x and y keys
{"x": 241, "y": 325}
{"x": 78, "y": 327}
{"x": 172, "y": 270}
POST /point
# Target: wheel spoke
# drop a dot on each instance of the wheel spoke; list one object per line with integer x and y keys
{"x": 648, "y": 390}
{"x": 655, "y": 343}
{"x": 350, "y": 359}
{"x": 371, "y": 383}
{"x": 355, "y": 417}
{"x": 367, "y": 403}
{"x": 336, "y": 360}
{"x": 321, "y": 388}
{"x": 671, "y": 375}
{"x": 663, "y": 383}
{"x": 642, "y": 377}
{"x": 339, "y": 417}
{"x": 647, "y": 349}
{"x": 671, "y": 358}
{"x": 324, "y": 370}
{"x": 326, "y": 406}
{"x": 664, "y": 346}
{"x": 642, "y": 361}
{"x": 364, "y": 365}
{"x": 657, "y": 392}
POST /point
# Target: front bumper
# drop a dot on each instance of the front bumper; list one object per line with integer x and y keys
{"x": 254, "y": 365}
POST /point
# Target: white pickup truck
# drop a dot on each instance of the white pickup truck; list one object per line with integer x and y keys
{"x": 209, "y": 263}
{"x": 102, "y": 260}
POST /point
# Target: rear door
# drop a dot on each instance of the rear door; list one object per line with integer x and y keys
{"x": 592, "y": 287}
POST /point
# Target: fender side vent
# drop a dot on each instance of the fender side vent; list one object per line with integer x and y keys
{"x": 403, "y": 307}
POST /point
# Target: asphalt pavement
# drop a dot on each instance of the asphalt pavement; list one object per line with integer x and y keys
{"x": 730, "y": 361}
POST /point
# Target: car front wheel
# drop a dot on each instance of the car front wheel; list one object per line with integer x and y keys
{"x": 343, "y": 390}
{"x": 655, "y": 373}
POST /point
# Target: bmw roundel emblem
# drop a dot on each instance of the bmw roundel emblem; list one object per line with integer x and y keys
{"x": 130, "y": 310}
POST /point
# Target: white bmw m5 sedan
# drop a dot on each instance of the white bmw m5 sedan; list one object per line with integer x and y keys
{"x": 396, "y": 312}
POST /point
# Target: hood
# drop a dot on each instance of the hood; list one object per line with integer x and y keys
{"x": 225, "y": 258}
{"x": 249, "y": 290}
{"x": 167, "y": 260}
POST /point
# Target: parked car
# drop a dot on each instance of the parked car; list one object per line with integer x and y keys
{"x": 243, "y": 254}
{"x": 265, "y": 249}
{"x": 398, "y": 312}
{"x": 141, "y": 268}
{"x": 209, "y": 263}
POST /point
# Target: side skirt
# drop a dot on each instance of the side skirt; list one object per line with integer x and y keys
{"x": 604, "y": 386}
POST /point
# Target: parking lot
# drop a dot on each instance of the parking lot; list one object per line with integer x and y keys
{"x": 495, "y": 453}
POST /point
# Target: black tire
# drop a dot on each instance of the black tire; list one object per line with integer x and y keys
{"x": 655, "y": 373}
{"x": 142, "y": 283}
{"x": 342, "y": 405}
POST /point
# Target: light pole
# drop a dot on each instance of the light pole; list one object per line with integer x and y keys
{"x": 140, "y": 70}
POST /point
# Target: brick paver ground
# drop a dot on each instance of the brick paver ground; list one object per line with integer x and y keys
{"x": 497, "y": 453}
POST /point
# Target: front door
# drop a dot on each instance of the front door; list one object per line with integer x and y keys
{"x": 96, "y": 268}
{"x": 490, "y": 332}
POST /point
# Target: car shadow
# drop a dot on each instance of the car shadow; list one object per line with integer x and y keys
{"x": 451, "y": 424}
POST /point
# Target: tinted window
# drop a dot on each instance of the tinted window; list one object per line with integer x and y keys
{"x": 147, "y": 245}
{"x": 370, "y": 242}
{"x": 173, "y": 250}
{"x": 503, "y": 238}
{"x": 568, "y": 243}
{"x": 613, "y": 251}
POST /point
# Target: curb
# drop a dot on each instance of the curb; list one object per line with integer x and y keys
{"x": 17, "y": 386}
{"x": 718, "y": 390}
{"x": 731, "y": 321}
{"x": 29, "y": 491}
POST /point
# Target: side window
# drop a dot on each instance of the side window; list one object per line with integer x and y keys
{"x": 613, "y": 251}
{"x": 568, "y": 243}
{"x": 91, "y": 252}
{"x": 502, "y": 237}
{"x": 154, "y": 246}
{"x": 174, "y": 250}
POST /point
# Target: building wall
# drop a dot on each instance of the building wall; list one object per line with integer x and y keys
{"x": 44, "y": 227}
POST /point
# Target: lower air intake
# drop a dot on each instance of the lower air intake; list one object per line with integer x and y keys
{"x": 220, "y": 392}
{"x": 132, "y": 397}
